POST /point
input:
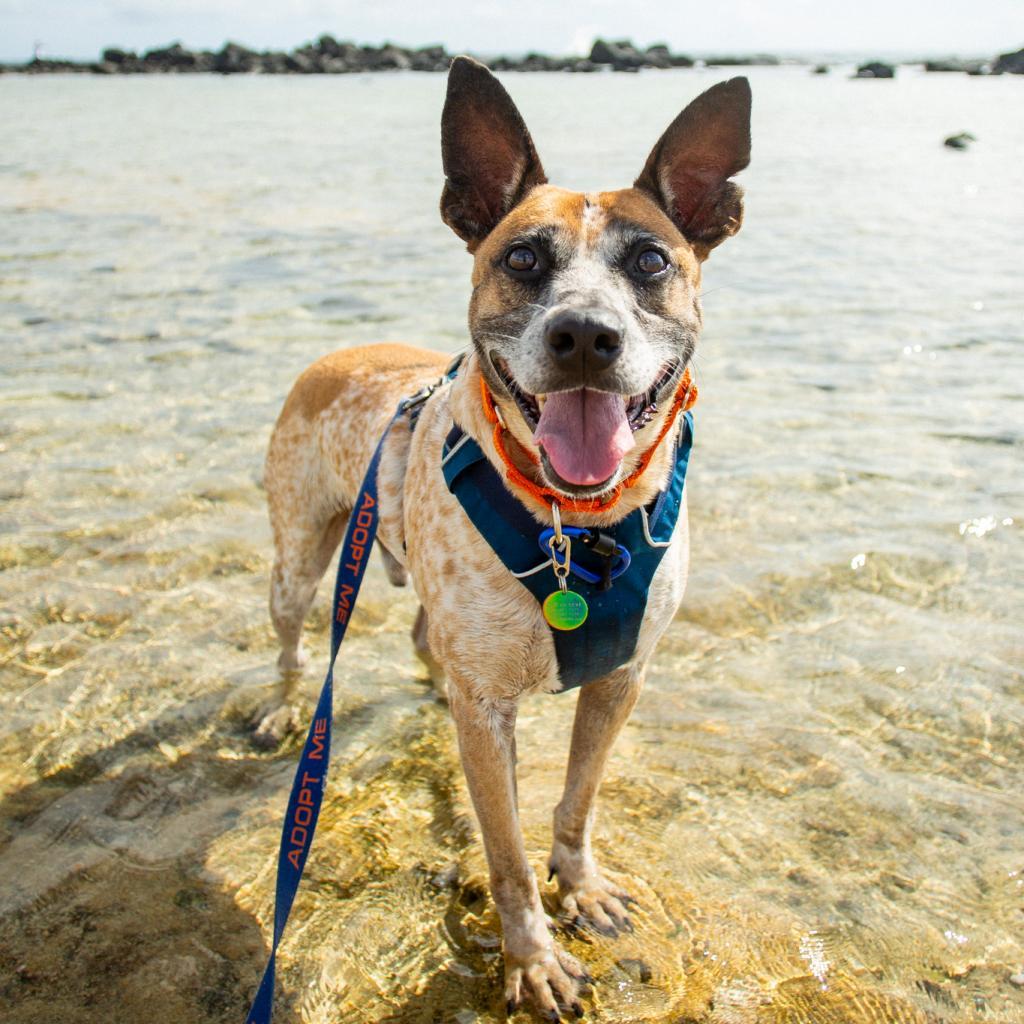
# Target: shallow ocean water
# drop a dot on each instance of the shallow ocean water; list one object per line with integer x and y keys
{"x": 818, "y": 800}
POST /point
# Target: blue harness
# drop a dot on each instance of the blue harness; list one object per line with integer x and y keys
{"x": 606, "y": 640}
{"x": 611, "y": 568}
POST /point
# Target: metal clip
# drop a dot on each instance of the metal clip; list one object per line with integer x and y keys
{"x": 420, "y": 397}
{"x": 561, "y": 544}
{"x": 561, "y": 568}
{"x": 556, "y": 521}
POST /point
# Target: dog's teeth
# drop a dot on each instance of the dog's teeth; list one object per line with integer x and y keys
{"x": 539, "y": 401}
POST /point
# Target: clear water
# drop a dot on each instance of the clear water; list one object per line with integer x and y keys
{"x": 820, "y": 799}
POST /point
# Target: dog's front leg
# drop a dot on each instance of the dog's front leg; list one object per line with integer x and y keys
{"x": 535, "y": 967}
{"x": 587, "y": 897}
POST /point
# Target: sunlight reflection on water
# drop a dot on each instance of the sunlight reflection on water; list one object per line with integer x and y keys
{"x": 818, "y": 801}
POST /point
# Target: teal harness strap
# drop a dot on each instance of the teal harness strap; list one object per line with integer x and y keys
{"x": 608, "y": 637}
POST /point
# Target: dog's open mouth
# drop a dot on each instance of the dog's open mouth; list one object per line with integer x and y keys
{"x": 584, "y": 434}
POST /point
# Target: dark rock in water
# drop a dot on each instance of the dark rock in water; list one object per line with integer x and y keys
{"x": 1009, "y": 63}
{"x": 430, "y": 58}
{"x": 622, "y": 55}
{"x": 960, "y": 141}
{"x": 393, "y": 58}
{"x": 234, "y": 59}
{"x": 329, "y": 46}
{"x": 112, "y": 55}
{"x": 821, "y": 69}
{"x": 636, "y": 970}
{"x": 733, "y": 61}
{"x": 658, "y": 56}
{"x": 875, "y": 69}
{"x": 170, "y": 57}
{"x": 602, "y": 53}
{"x": 330, "y": 56}
{"x": 954, "y": 64}
{"x": 42, "y": 66}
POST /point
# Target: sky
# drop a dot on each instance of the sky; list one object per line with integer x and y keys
{"x": 82, "y": 28}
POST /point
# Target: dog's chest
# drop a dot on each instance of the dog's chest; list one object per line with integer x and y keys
{"x": 485, "y": 626}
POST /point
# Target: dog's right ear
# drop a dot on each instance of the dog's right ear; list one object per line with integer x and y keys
{"x": 488, "y": 155}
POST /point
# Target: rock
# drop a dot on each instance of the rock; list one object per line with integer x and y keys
{"x": 429, "y": 58}
{"x": 622, "y": 55}
{"x": 301, "y": 63}
{"x": 1009, "y": 63}
{"x": 764, "y": 59}
{"x": 636, "y": 970}
{"x": 601, "y": 53}
{"x": 234, "y": 59}
{"x": 328, "y": 55}
{"x": 960, "y": 141}
{"x": 875, "y": 69}
{"x": 113, "y": 55}
{"x": 952, "y": 64}
{"x": 393, "y": 57}
{"x": 174, "y": 57}
{"x": 1017, "y": 979}
{"x": 329, "y": 46}
{"x": 658, "y": 56}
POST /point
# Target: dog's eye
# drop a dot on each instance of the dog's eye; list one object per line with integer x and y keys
{"x": 650, "y": 261}
{"x": 521, "y": 258}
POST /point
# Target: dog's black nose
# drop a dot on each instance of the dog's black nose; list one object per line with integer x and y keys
{"x": 579, "y": 342}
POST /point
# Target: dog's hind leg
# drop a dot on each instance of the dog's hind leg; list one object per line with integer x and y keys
{"x": 396, "y": 572}
{"x": 305, "y": 542}
{"x": 304, "y": 552}
{"x": 586, "y": 896}
{"x": 422, "y": 647}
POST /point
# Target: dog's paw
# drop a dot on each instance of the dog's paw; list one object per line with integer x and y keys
{"x": 595, "y": 903}
{"x": 551, "y": 982}
{"x": 273, "y": 722}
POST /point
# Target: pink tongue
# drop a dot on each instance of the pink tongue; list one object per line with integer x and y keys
{"x": 585, "y": 434}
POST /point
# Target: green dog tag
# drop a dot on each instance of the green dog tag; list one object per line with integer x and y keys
{"x": 565, "y": 609}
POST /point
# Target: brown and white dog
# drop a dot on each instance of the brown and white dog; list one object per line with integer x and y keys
{"x": 584, "y": 315}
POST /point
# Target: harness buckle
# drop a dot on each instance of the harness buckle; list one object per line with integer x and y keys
{"x": 601, "y": 543}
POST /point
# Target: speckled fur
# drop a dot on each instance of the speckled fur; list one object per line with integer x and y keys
{"x": 478, "y": 627}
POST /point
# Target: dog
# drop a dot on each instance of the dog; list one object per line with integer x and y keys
{"x": 584, "y": 317}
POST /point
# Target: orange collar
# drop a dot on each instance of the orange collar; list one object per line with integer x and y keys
{"x": 684, "y": 399}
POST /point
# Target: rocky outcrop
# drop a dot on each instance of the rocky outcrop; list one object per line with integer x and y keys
{"x": 1009, "y": 63}
{"x": 952, "y": 64}
{"x": 753, "y": 60}
{"x": 875, "y": 69}
{"x": 328, "y": 56}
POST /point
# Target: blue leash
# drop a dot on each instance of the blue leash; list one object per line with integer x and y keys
{"x": 308, "y": 786}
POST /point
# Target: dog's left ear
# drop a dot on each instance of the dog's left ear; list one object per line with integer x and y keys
{"x": 689, "y": 169}
{"x": 489, "y": 159}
